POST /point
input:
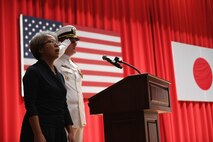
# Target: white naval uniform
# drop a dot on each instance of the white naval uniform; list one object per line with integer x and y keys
{"x": 75, "y": 102}
{"x": 73, "y": 81}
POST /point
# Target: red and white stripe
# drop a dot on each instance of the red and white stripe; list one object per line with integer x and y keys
{"x": 98, "y": 74}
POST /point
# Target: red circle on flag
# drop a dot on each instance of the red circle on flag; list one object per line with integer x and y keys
{"x": 202, "y": 73}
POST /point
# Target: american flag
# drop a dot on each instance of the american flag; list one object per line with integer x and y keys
{"x": 93, "y": 44}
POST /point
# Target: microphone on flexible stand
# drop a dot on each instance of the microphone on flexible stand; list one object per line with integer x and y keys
{"x": 113, "y": 62}
{"x": 116, "y": 62}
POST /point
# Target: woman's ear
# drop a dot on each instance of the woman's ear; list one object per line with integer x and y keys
{"x": 41, "y": 50}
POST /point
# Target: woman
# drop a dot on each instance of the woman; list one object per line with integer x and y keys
{"x": 45, "y": 95}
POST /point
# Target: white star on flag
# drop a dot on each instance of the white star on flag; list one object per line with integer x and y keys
{"x": 193, "y": 66}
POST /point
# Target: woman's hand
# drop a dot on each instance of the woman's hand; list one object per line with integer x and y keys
{"x": 71, "y": 137}
{"x": 39, "y": 138}
{"x": 70, "y": 132}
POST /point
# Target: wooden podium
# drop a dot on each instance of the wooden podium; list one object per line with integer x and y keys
{"x": 130, "y": 108}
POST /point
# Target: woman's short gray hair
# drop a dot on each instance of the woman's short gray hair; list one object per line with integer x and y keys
{"x": 37, "y": 42}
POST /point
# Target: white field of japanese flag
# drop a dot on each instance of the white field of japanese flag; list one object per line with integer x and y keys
{"x": 193, "y": 67}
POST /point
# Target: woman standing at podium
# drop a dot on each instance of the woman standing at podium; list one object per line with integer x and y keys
{"x": 45, "y": 95}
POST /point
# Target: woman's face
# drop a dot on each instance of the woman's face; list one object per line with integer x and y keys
{"x": 50, "y": 49}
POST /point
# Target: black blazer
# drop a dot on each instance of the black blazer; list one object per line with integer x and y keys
{"x": 45, "y": 96}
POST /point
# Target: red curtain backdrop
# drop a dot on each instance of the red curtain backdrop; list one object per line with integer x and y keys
{"x": 147, "y": 28}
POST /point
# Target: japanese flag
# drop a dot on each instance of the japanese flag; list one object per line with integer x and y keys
{"x": 193, "y": 67}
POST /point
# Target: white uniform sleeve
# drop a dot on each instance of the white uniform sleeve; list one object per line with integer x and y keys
{"x": 63, "y": 47}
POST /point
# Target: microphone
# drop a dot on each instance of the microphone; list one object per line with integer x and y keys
{"x": 112, "y": 62}
{"x": 117, "y": 60}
